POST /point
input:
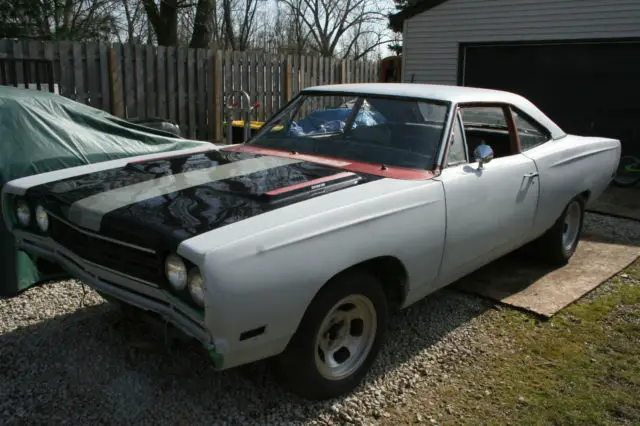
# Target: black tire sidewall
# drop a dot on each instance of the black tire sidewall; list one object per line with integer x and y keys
{"x": 553, "y": 246}
{"x": 296, "y": 365}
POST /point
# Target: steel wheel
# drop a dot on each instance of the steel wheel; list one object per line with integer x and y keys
{"x": 345, "y": 337}
{"x": 338, "y": 338}
{"x": 571, "y": 226}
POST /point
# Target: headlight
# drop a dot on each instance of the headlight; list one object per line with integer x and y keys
{"x": 23, "y": 212}
{"x": 176, "y": 272}
{"x": 42, "y": 218}
{"x": 196, "y": 286}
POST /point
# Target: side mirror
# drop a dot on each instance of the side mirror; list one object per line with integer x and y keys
{"x": 483, "y": 154}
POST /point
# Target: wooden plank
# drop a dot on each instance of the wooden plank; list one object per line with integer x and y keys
{"x": 64, "y": 72}
{"x": 295, "y": 77}
{"x": 128, "y": 84}
{"x": 180, "y": 76}
{"x": 171, "y": 83}
{"x": 201, "y": 95}
{"x": 217, "y": 109}
{"x": 268, "y": 86}
{"x": 103, "y": 71}
{"x": 261, "y": 63}
{"x": 315, "y": 71}
{"x": 303, "y": 73}
{"x": 209, "y": 106}
{"x": 115, "y": 82}
{"x": 138, "y": 58}
{"x": 286, "y": 81}
{"x": 237, "y": 76}
{"x": 93, "y": 75}
{"x": 228, "y": 72}
{"x": 245, "y": 72}
{"x": 49, "y": 53}
{"x": 17, "y": 73}
{"x": 150, "y": 79}
{"x": 162, "y": 109}
{"x": 342, "y": 72}
{"x": 33, "y": 49}
{"x": 79, "y": 76}
{"x": 191, "y": 92}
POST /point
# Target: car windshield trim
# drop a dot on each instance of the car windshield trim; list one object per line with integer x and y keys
{"x": 358, "y": 146}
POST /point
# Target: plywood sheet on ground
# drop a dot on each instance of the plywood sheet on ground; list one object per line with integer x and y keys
{"x": 608, "y": 245}
{"x": 624, "y": 202}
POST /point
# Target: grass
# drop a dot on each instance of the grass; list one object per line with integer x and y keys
{"x": 581, "y": 367}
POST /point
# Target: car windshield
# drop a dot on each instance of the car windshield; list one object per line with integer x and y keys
{"x": 382, "y": 130}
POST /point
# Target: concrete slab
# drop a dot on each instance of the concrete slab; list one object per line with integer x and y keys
{"x": 608, "y": 245}
{"x": 622, "y": 202}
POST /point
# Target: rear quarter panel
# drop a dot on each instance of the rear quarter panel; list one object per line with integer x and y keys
{"x": 267, "y": 269}
{"x": 569, "y": 166}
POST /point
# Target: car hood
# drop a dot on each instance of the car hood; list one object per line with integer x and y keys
{"x": 163, "y": 201}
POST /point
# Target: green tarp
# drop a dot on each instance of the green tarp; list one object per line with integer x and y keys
{"x": 41, "y": 132}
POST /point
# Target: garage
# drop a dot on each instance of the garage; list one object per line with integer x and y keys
{"x": 571, "y": 82}
{"x": 578, "y": 60}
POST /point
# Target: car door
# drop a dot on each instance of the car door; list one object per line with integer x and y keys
{"x": 490, "y": 209}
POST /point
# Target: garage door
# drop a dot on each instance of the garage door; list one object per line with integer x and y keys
{"x": 588, "y": 88}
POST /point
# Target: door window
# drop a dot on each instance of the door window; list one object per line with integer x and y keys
{"x": 489, "y": 125}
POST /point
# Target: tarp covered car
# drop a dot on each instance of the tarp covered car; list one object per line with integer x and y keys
{"x": 42, "y": 132}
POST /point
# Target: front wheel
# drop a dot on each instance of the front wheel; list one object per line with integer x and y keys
{"x": 560, "y": 242}
{"x": 338, "y": 339}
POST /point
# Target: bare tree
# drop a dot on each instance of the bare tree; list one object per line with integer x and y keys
{"x": 239, "y": 19}
{"x": 58, "y": 20}
{"x": 136, "y": 26}
{"x": 340, "y": 27}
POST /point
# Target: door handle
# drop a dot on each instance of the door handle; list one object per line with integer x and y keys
{"x": 531, "y": 175}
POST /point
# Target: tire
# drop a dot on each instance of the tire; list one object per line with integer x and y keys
{"x": 560, "y": 242}
{"x": 302, "y": 367}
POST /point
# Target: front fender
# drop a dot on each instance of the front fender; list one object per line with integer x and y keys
{"x": 269, "y": 277}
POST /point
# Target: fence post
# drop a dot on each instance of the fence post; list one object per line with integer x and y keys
{"x": 286, "y": 79}
{"x": 117, "y": 106}
{"x": 216, "y": 86}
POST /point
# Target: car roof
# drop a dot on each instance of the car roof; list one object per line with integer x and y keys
{"x": 448, "y": 93}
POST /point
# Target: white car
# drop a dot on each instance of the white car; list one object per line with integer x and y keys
{"x": 352, "y": 201}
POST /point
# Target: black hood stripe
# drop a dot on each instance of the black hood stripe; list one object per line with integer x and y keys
{"x": 161, "y": 202}
{"x": 88, "y": 212}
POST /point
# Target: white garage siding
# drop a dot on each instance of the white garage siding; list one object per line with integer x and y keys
{"x": 432, "y": 38}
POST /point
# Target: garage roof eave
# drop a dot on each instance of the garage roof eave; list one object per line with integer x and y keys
{"x": 396, "y": 21}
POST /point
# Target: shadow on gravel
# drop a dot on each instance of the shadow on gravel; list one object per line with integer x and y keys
{"x": 93, "y": 366}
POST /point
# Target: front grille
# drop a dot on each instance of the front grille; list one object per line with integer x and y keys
{"x": 127, "y": 260}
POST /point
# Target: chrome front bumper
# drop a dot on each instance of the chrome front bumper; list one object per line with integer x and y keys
{"x": 142, "y": 294}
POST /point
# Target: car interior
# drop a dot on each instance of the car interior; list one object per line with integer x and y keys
{"x": 487, "y": 124}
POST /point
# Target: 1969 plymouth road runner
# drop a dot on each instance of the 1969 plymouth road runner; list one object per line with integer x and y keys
{"x": 297, "y": 245}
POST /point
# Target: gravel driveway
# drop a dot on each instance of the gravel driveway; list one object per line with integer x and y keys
{"x": 66, "y": 356}
{"x": 65, "y": 360}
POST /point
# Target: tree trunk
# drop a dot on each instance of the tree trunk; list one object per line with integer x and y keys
{"x": 164, "y": 22}
{"x": 202, "y": 27}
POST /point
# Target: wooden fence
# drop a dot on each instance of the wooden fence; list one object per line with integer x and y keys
{"x": 187, "y": 86}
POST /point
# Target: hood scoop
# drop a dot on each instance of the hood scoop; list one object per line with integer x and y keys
{"x": 313, "y": 187}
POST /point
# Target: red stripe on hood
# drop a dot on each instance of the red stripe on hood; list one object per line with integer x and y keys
{"x": 310, "y": 183}
{"x": 353, "y": 166}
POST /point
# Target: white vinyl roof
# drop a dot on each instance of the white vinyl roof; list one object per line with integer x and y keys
{"x": 453, "y": 94}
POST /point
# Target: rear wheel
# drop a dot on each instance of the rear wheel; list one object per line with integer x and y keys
{"x": 338, "y": 339}
{"x": 560, "y": 242}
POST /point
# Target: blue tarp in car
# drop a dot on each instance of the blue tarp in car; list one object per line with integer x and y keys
{"x": 41, "y": 132}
